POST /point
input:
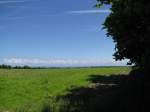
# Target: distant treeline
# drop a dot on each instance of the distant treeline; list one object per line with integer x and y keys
{"x": 3, "y": 66}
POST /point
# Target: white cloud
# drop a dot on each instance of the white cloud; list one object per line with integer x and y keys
{"x": 62, "y": 62}
{"x": 89, "y": 11}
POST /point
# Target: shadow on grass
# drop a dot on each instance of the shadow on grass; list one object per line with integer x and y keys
{"x": 114, "y": 93}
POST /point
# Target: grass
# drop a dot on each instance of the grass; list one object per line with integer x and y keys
{"x": 19, "y": 87}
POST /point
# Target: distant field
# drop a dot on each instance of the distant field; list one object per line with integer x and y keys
{"x": 22, "y": 86}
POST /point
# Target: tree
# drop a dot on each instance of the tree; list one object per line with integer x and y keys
{"x": 129, "y": 26}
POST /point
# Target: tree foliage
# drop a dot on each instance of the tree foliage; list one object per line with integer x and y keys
{"x": 129, "y": 26}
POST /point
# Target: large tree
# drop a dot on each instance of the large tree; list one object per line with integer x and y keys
{"x": 129, "y": 26}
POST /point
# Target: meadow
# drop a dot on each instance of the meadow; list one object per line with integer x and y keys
{"x": 19, "y": 87}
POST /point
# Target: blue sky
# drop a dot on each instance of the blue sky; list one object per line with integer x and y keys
{"x": 54, "y": 33}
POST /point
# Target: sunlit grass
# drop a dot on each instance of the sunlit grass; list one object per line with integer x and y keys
{"x": 19, "y": 87}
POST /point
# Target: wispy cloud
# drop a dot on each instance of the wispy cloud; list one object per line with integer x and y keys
{"x": 52, "y": 15}
{"x": 29, "y": 16}
{"x": 14, "y": 1}
{"x": 89, "y": 11}
{"x": 11, "y": 1}
{"x": 62, "y": 62}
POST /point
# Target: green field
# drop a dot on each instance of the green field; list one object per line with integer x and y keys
{"x": 26, "y": 86}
